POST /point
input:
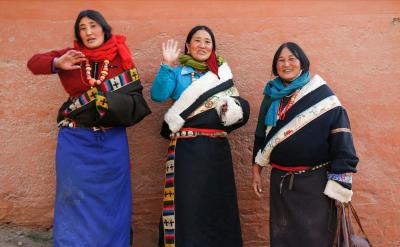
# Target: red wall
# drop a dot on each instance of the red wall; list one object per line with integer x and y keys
{"x": 353, "y": 45}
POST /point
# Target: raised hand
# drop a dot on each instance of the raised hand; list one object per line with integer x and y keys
{"x": 170, "y": 52}
{"x": 70, "y": 60}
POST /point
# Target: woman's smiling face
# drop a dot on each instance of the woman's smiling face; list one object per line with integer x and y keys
{"x": 200, "y": 46}
{"x": 288, "y": 66}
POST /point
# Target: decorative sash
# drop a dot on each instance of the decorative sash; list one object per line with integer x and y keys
{"x": 205, "y": 83}
{"x": 212, "y": 102}
{"x": 315, "y": 83}
{"x": 109, "y": 85}
{"x": 295, "y": 125}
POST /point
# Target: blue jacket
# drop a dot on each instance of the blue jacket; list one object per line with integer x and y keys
{"x": 171, "y": 82}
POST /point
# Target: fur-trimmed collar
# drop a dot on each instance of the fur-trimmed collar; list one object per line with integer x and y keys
{"x": 191, "y": 93}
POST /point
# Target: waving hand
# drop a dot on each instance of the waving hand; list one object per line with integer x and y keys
{"x": 170, "y": 52}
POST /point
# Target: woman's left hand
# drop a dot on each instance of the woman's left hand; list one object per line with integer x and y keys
{"x": 70, "y": 60}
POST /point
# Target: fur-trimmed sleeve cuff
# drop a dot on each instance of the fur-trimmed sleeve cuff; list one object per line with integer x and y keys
{"x": 260, "y": 160}
{"x": 234, "y": 113}
{"x": 337, "y": 192}
{"x": 174, "y": 120}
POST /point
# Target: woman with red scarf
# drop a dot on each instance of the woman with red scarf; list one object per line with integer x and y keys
{"x": 93, "y": 194}
{"x": 200, "y": 204}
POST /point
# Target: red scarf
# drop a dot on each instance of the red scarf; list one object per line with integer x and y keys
{"x": 212, "y": 63}
{"x": 115, "y": 45}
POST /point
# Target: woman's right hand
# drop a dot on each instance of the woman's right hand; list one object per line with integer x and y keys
{"x": 170, "y": 52}
{"x": 256, "y": 170}
{"x": 70, "y": 60}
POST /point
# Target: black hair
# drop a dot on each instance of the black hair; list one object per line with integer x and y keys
{"x": 194, "y": 30}
{"x": 97, "y": 17}
{"x": 297, "y": 52}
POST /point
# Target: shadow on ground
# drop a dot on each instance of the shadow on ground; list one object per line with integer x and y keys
{"x": 11, "y": 236}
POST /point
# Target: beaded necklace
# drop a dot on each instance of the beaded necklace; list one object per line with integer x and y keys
{"x": 103, "y": 73}
{"x": 193, "y": 78}
{"x": 282, "y": 110}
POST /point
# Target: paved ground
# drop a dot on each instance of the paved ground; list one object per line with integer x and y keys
{"x": 16, "y": 236}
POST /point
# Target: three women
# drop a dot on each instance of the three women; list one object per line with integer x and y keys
{"x": 303, "y": 132}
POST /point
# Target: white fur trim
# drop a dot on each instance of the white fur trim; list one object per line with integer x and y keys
{"x": 268, "y": 129}
{"x": 234, "y": 111}
{"x": 174, "y": 120}
{"x": 336, "y": 191}
{"x": 260, "y": 160}
{"x": 314, "y": 83}
{"x": 191, "y": 93}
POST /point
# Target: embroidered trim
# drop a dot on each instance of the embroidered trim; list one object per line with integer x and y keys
{"x": 109, "y": 85}
{"x": 212, "y": 102}
{"x": 334, "y": 131}
{"x": 168, "y": 212}
{"x": 295, "y": 125}
{"x": 315, "y": 83}
{"x": 343, "y": 177}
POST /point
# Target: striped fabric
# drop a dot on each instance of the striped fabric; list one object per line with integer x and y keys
{"x": 168, "y": 215}
{"x": 109, "y": 85}
{"x": 340, "y": 130}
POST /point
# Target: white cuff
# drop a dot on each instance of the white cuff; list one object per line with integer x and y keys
{"x": 234, "y": 111}
{"x": 336, "y": 191}
{"x": 174, "y": 121}
{"x": 260, "y": 160}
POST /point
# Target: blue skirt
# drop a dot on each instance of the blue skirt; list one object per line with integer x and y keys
{"x": 93, "y": 194}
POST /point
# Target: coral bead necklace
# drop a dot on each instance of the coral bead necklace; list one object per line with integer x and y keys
{"x": 282, "y": 110}
{"x": 103, "y": 73}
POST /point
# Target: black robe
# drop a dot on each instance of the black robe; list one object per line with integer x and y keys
{"x": 301, "y": 215}
{"x": 206, "y": 208}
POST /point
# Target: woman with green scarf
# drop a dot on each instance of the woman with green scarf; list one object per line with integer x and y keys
{"x": 200, "y": 203}
{"x": 304, "y": 134}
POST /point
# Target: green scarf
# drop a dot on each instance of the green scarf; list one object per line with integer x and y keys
{"x": 187, "y": 60}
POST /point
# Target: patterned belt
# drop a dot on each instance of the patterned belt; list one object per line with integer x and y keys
{"x": 293, "y": 172}
{"x": 68, "y": 123}
{"x": 194, "y": 132}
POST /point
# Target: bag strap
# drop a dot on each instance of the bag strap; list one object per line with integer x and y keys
{"x": 342, "y": 235}
{"x": 344, "y": 225}
{"x": 355, "y": 215}
{"x": 336, "y": 239}
{"x": 345, "y": 229}
{"x": 349, "y": 220}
